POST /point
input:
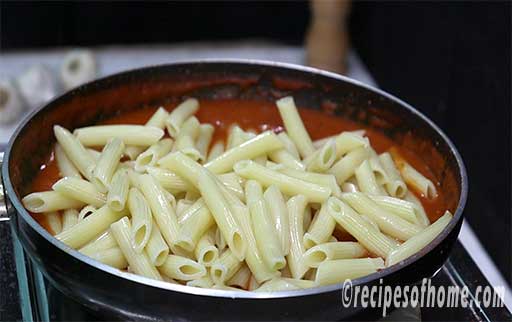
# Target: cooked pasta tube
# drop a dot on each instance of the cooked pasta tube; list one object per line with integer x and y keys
{"x": 203, "y": 282}
{"x": 395, "y": 186}
{"x": 225, "y": 267}
{"x": 284, "y": 284}
{"x": 156, "y": 120}
{"x": 381, "y": 176}
{"x": 75, "y": 151}
{"x": 294, "y": 126}
{"x": 236, "y": 136}
{"x": 322, "y": 159}
{"x": 366, "y": 180}
{"x": 388, "y": 223}
{"x": 183, "y": 166}
{"x": 216, "y": 151}
{"x": 95, "y": 154}
{"x": 420, "y": 211}
{"x": 347, "y": 165}
{"x": 181, "y": 206}
{"x": 112, "y": 257}
{"x": 222, "y": 214}
{"x": 93, "y": 225}
{"x": 99, "y": 135}
{"x": 254, "y": 260}
{"x": 81, "y": 190}
{"x": 349, "y": 141}
{"x": 220, "y": 242}
{"x": 107, "y": 164}
{"x": 169, "y": 180}
{"x": 279, "y": 213}
{"x": 241, "y": 278}
{"x": 206, "y": 253}
{"x": 66, "y": 167}
{"x": 321, "y": 228}
{"x": 261, "y": 144}
{"x": 289, "y": 145}
{"x": 195, "y": 226}
{"x": 182, "y": 268}
{"x": 139, "y": 262}
{"x": 322, "y": 179}
{"x": 86, "y": 211}
{"x": 402, "y": 208}
{"x": 288, "y": 185}
{"x": 287, "y": 159}
{"x": 149, "y": 157}
{"x": 318, "y": 254}
{"x": 266, "y": 236}
{"x": 156, "y": 248}
{"x": 105, "y": 241}
{"x": 142, "y": 219}
{"x": 185, "y": 141}
{"x": 118, "y": 193}
{"x": 337, "y": 271}
{"x": 179, "y": 114}
{"x": 191, "y": 210}
{"x": 204, "y": 139}
{"x": 232, "y": 181}
{"x": 296, "y": 208}
{"x": 419, "y": 241}
{"x": 69, "y": 218}
{"x": 48, "y": 201}
{"x": 54, "y": 222}
{"x": 371, "y": 239}
{"x": 417, "y": 181}
{"x": 162, "y": 211}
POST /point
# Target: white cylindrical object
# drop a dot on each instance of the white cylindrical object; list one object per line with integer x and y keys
{"x": 78, "y": 67}
{"x": 11, "y": 103}
{"x": 37, "y": 85}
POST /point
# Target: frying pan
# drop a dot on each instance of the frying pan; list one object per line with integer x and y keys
{"x": 116, "y": 295}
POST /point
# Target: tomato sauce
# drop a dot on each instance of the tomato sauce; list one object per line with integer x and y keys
{"x": 261, "y": 116}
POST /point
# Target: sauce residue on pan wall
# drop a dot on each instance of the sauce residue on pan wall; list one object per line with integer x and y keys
{"x": 259, "y": 116}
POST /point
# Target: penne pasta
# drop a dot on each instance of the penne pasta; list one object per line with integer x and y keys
{"x": 138, "y": 135}
{"x": 81, "y": 190}
{"x": 182, "y": 268}
{"x": 402, "y": 208}
{"x": 349, "y": 141}
{"x": 417, "y": 181}
{"x": 48, "y": 201}
{"x": 236, "y": 136}
{"x": 66, "y": 167}
{"x": 261, "y": 144}
{"x": 279, "y": 213}
{"x": 294, "y": 126}
{"x": 69, "y": 218}
{"x": 156, "y": 247}
{"x": 142, "y": 219}
{"x": 266, "y": 236}
{"x": 225, "y": 267}
{"x": 216, "y": 151}
{"x": 105, "y": 241}
{"x": 92, "y": 226}
{"x": 241, "y": 278}
{"x": 232, "y": 181}
{"x": 284, "y": 284}
{"x": 420, "y": 211}
{"x": 288, "y": 185}
{"x": 287, "y": 159}
{"x": 204, "y": 139}
{"x": 296, "y": 208}
{"x": 139, "y": 262}
{"x": 112, "y": 257}
{"x": 54, "y": 222}
{"x": 289, "y": 145}
{"x": 388, "y": 223}
{"x": 337, "y": 271}
{"x": 107, "y": 164}
{"x": 395, "y": 186}
{"x": 169, "y": 180}
{"x": 322, "y": 159}
{"x": 195, "y": 226}
{"x": 366, "y": 180}
{"x": 419, "y": 241}
{"x": 75, "y": 151}
{"x": 321, "y": 228}
{"x": 203, "y": 282}
{"x": 371, "y": 239}
{"x": 206, "y": 253}
{"x": 347, "y": 165}
{"x": 185, "y": 141}
{"x": 118, "y": 193}
{"x": 179, "y": 114}
{"x": 322, "y": 179}
{"x": 86, "y": 211}
{"x": 149, "y": 157}
{"x": 318, "y": 254}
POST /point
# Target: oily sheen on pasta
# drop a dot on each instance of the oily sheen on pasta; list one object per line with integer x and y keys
{"x": 263, "y": 212}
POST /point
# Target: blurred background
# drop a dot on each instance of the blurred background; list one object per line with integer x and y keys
{"x": 450, "y": 60}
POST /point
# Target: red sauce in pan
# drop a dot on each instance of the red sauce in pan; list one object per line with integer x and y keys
{"x": 261, "y": 116}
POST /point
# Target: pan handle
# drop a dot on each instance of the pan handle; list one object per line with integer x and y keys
{"x": 3, "y": 209}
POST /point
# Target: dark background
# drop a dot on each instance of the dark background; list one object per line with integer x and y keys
{"x": 450, "y": 60}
